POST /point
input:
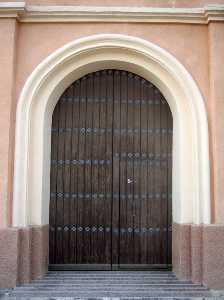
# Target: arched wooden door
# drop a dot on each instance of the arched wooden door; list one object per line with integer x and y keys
{"x": 111, "y": 175}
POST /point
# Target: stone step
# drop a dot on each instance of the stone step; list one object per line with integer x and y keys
{"x": 110, "y": 272}
{"x": 73, "y": 275}
{"x": 112, "y": 288}
{"x": 99, "y": 284}
{"x": 122, "y": 282}
{"x": 111, "y": 277}
{"x": 114, "y": 298}
{"x": 114, "y": 294}
{"x": 90, "y": 284}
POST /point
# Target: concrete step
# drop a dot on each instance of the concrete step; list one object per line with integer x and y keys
{"x": 105, "y": 282}
{"x": 116, "y": 294}
{"x": 111, "y": 288}
{"x": 109, "y": 274}
{"x": 54, "y": 273}
{"x": 90, "y": 284}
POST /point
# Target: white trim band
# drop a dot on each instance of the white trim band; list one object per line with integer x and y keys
{"x": 122, "y": 14}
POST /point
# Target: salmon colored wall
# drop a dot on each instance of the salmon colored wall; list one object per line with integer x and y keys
{"x": 149, "y": 3}
{"x": 187, "y": 42}
{"x": 216, "y": 114}
{"x": 7, "y": 83}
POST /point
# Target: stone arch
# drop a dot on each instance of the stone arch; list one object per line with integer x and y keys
{"x": 191, "y": 182}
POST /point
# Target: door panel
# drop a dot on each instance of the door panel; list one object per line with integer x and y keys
{"x": 111, "y": 174}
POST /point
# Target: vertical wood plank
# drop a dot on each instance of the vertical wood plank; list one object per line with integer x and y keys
{"x": 108, "y": 166}
{"x": 116, "y": 254}
{"x": 123, "y": 166}
{"x": 150, "y": 173}
{"x": 95, "y": 167}
{"x": 81, "y": 238}
{"x": 67, "y": 173}
{"x": 130, "y": 174}
{"x": 136, "y": 170}
{"x": 53, "y": 187}
{"x": 74, "y": 172}
{"x": 60, "y": 181}
{"x": 143, "y": 172}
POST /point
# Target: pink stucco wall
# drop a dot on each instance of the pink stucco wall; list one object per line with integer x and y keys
{"x": 188, "y": 43}
{"x": 7, "y": 89}
{"x": 198, "y": 47}
{"x": 216, "y": 113}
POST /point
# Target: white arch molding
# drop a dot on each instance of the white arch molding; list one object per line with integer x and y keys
{"x": 191, "y": 183}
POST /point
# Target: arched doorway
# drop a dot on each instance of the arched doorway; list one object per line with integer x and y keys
{"x": 111, "y": 174}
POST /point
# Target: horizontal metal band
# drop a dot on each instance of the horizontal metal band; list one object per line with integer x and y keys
{"x": 143, "y": 155}
{"x": 110, "y": 195}
{"x": 115, "y": 131}
{"x": 117, "y": 101}
{"x": 130, "y": 160}
{"x": 108, "y": 229}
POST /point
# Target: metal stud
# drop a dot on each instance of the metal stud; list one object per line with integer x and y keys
{"x": 66, "y": 228}
{"x": 94, "y": 229}
{"x": 73, "y": 228}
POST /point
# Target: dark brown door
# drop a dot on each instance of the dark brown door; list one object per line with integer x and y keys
{"x": 111, "y": 174}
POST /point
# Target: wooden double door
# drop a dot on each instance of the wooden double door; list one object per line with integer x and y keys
{"x": 111, "y": 175}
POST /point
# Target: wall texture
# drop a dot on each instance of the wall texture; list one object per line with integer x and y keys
{"x": 198, "y": 252}
{"x": 23, "y": 254}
